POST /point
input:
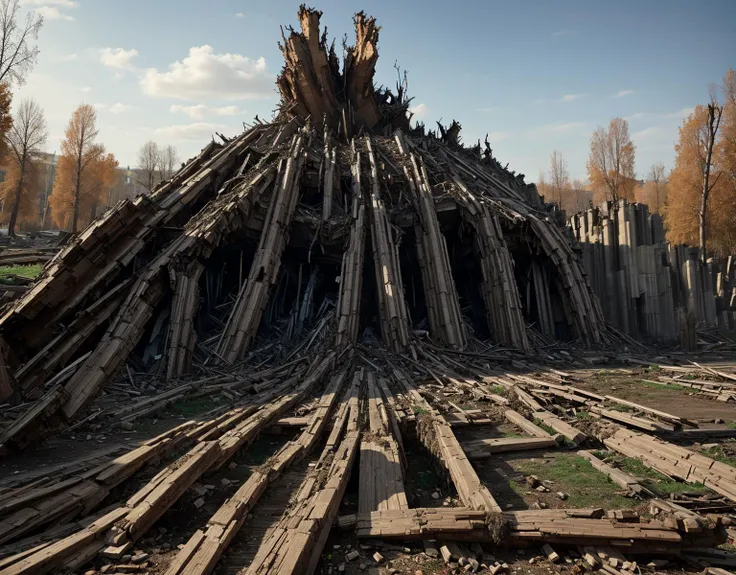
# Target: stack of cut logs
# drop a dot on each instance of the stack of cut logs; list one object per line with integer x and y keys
{"x": 327, "y": 260}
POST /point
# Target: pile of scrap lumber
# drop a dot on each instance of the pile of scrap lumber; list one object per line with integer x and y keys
{"x": 217, "y": 256}
{"x": 331, "y": 273}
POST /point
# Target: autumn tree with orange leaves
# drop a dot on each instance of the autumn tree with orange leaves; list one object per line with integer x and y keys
{"x": 701, "y": 206}
{"x": 611, "y": 161}
{"x": 84, "y": 175}
{"x": 26, "y": 139}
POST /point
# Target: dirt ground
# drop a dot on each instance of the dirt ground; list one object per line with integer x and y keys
{"x": 680, "y": 401}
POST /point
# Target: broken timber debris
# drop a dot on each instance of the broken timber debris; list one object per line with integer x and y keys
{"x": 336, "y": 243}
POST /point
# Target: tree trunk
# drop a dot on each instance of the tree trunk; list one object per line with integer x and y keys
{"x": 712, "y": 128}
{"x": 77, "y": 185}
{"x": 701, "y": 218}
{"x": 18, "y": 193}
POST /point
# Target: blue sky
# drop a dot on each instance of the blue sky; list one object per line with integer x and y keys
{"x": 538, "y": 75}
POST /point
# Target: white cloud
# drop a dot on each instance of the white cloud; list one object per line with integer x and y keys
{"x": 540, "y": 101}
{"x": 205, "y": 74}
{"x": 571, "y": 97}
{"x": 420, "y": 111}
{"x": 560, "y": 33}
{"x": 53, "y": 13}
{"x": 197, "y": 131}
{"x": 49, "y": 9}
{"x": 118, "y": 57}
{"x": 85, "y": 89}
{"x": 239, "y": 15}
{"x": 118, "y": 108}
{"x": 200, "y": 111}
{"x": 622, "y": 93}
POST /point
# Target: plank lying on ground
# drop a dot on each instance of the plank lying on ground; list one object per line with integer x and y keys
{"x": 533, "y": 527}
{"x": 296, "y": 543}
{"x": 77, "y": 494}
{"x": 675, "y": 461}
{"x": 657, "y": 413}
{"x": 633, "y": 421}
{"x": 525, "y": 425}
{"x": 152, "y": 501}
{"x": 616, "y": 475}
{"x": 48, "y": 558}
{"x": 484, "y": 448}
{"x": 201, "y": 553}
{"x": 570, "y": 432}
{"x": 381, "y": 477}
{"x": 438, "y": 437}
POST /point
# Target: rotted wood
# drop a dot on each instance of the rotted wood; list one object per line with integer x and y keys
{"x": 8, "y": 385}
{"x": 527, "y": 528}
{"x": 329, "y": 163}
{"x": 675, "y": 461}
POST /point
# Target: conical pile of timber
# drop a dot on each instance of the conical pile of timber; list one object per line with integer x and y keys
{"x": 336, "y": 205}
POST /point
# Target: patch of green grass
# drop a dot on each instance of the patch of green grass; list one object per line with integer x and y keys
{"x": 539, "y": 423}
{"x": 654, "y": 368}
{"x": 583, "y": 415}
{"x": 499, "y": 390}
{"x": 575, "y": 476}
{"x": 718, "y": 454}
{"x": 732, "y": 425}
{"x": 24, "y": 271}
{"x": 419, "y": 410}
{"x": 669, "y": 387}
{"x": 650, "y": 478}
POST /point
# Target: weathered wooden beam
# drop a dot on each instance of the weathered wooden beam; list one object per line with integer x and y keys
{"x": 245, "y": 317}
{"x": 392, "y": 307}
{"x": 351, "y": 276}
